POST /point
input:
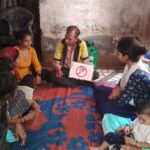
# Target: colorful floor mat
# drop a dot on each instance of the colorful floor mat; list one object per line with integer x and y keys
{"x": 68, "y": 120}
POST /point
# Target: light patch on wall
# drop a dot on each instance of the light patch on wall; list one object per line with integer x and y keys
{"x": 90, "y": 16}
{"x": 93, "y": 17}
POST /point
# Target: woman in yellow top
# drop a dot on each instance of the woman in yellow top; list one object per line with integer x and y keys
{"x": 27, "y": 57}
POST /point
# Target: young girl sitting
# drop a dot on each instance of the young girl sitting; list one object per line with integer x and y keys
{"x": 136, "y": 136}
{"x": 19, "y": 109}
{"x": 27, "y": 57}
{"x": 9, "y": 80}
{"x": 8, "y": 84}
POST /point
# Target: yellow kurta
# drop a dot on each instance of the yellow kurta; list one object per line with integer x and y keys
{"x": 23, "y": 64}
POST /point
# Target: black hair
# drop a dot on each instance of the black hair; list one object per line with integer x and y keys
{"x": 73, "y": 28}
{"x": 8, "y": 84}
{"x": 143, "y": 107}
{"x": 6, "y": 64}
{"x": 4, "y": 28}
{"x": 131, "y": 47}
{"x": 16, "y": 55}
{"x": 20, "y": 35}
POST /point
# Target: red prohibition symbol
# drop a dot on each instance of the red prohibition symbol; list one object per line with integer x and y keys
{"x": 81, "y": 71}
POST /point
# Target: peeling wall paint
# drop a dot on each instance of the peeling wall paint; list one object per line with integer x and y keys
{"x": 93, "y": 17}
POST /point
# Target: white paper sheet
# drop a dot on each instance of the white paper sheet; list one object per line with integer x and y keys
{"x": 81, "y": 71}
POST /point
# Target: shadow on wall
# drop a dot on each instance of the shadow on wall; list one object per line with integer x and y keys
{"x": 104, "y": 43}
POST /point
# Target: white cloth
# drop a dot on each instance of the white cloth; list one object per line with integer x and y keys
{"x": 28, "y": 91}
{"x": 141, "y": 132}
{"x": 128, "y": 71}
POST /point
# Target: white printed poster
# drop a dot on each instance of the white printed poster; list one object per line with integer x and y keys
{"x": 81, "y": 71}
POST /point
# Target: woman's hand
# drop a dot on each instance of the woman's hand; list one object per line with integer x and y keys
{"x": 35, "y": 106}
{"x": 116, "y": 92}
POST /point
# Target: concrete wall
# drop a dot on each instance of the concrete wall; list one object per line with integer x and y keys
{"x": 144, "y": 32}
{"x": 101, "y": 20}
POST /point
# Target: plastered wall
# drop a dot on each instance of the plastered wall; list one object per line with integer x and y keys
{"x": 144, "y": 32}
{"x": 101, "y": 20}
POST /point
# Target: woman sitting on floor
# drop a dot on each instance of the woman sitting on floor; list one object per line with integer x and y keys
{"x": 118, "y": 105}
{"x": 27, "y": 57}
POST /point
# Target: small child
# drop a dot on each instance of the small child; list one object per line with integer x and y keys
{"x": 9, "y": 80}
{"x": 18, "y": 110}
{"x": 7, "y": 85}
{"x": 139, "y": 129}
